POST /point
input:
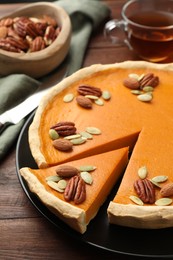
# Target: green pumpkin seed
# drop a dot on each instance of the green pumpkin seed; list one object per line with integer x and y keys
{"x": 148, "y": 89}
{"x": 145, "y": 97}
{"x": 156, "y": 184}
{"x": 87, "y": 168}
{"x": 99, "y": 102}
{"x": 68, "y": 98}
{"x": 54, "y": 178}
{"x": 160, "y": 178}
{"x": 136, "y": 92}
{"x": 91, "y": 97}
{"x": 62, "y": 184}
{"x": 106, "y": 95}
{"x": 163, "y": 202}
{"x": 53, "y": 134}
{"x": 136, "y": 200}
{"x": 93, "y": 130}
{"x": 55, "y": 186}
{"x": 77, "y": 141}
{"x": 142, "y": 172}
{"x": 86, "y": 135}
{"x": 86, "y": 176}
{"x": 141, "y": 77}
{"x": 70, "y": 137}
{"x": 134, "y": 76}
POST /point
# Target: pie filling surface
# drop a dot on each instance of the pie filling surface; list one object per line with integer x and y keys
{"x": 124, "y": 121}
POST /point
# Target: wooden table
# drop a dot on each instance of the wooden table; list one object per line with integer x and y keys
{"x": 24, "y": 232}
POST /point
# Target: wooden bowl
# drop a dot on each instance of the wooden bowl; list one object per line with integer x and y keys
{"x": 39, "y": 63}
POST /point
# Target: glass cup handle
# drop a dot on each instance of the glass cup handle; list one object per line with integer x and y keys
{"x": 114, "y": 27}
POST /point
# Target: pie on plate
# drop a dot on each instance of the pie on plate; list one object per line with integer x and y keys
{"x": 95, "y": 117}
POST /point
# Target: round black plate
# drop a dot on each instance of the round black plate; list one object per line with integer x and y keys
{"x": 136, "y": 242}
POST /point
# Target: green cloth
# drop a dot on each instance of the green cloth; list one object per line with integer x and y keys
{"x": 86, "y": 16}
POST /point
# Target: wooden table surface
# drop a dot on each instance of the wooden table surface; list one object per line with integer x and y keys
{"x": 24, "y": 232}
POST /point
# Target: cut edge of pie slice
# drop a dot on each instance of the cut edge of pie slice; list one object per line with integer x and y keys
{"x": 109, "y": 167}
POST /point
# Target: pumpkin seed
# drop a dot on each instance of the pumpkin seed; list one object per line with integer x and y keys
{"x": 93, "y": 130}
{"x": 55, "y": 186}
{"x": 134, "y": 76}
{"x": 136, "y": 200}
{"x": 160, "y": 178}
{"x": 62, "y": 184}
{"x": 99, "y": 102}
{"x": 145, "y": 97}
{"x": 54, "y": 178}
{"x": 142, "y": 172}
{"x": 86, "y": 135}
{"x": 156, "y": 184}
{"x": 163, "y": 202}
{"x": 77, "y": 141}
{"x": 53, "y": 134}
{"x": 86, "y": 176}
{"x": 141, "y": 77}
{"x": 136, "y": 92}
{"x": 69, "y": 137}
{"x": 87, "y": 168}
{"x": 148, "y": 89}
{"x": 91, "y": 97}
{"x": 106, "y": 95}
{"x": 68, "y": 98}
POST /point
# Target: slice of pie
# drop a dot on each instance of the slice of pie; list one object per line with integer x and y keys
{"x": 103, "y": 108}
{"x": 107, "y": 168}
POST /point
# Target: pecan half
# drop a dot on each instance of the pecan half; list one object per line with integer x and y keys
{"x": 89, "y": 90}
{"x": 5, "y": 45}
{"x": 65, "y": 128}
{"x": 145, "y": 190}
{"x": 62, "y": 145}
{"x": 6, "y": 22}
{"x": 66, "y": 171}
{"x": 50, "y": 35}
{"x": 149, "y": 80}
{"x": 84, "y": 101}
{"x": 37, "y": 44}
{"x": 131, "y": 83}
{"x": 75, "y": 190}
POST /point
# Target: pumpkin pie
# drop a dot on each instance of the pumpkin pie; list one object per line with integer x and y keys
{"x": 104, "y": 176}
{"x": 138, "y": 117}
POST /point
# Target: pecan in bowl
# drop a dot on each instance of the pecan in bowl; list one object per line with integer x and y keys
{"x": 34, "y": 40}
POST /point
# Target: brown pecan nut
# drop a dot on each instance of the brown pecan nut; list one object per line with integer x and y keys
{"x": 62, "y": 145}
{"x": 131, "y": 83}
{"x": 89, "y": 90}
{"x": 65, "y": 128}
{"x": 37, "y": 44}
{"x": 3, "y": 31}
{"x": 49, "y": 20}
{"x": 6, "y": 22}
{"x": 149, "y": 80}
{"x": 41, "y": 28}
{"x": 75, "y": 190}
{"x": 5, "y": 45}
{"x": 17, "y": 43}
{"x": 84, "y": 101}
{"x": 145, "y": 190}
{"x": 24, "y": 26}
{"x": 50, "y": 35}
{"x": 167, "y": 190}
{"x": 67, "y": 171}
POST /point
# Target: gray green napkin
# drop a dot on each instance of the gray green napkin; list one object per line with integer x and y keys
{"x": 86, "y": 16}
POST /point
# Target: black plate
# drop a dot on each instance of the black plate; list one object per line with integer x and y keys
{"x": 136, "y": 242}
